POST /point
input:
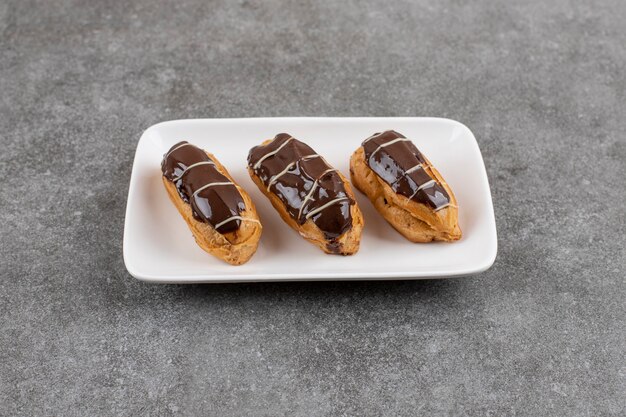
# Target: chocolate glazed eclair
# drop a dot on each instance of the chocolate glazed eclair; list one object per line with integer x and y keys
{"x": 219, "y": 212}
{"x": 312, "y": 197}
{"x": 405, "y": 188}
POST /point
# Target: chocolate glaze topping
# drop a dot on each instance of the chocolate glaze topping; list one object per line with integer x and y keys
{"x": 396, "y": 160}
{"x": 305, "y": 183}
{"x": 213, "y": 197}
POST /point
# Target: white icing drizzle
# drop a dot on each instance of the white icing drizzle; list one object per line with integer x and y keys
{"x": 330, "y": 203}
{"x": 274, "y": 152}
{"x": 426, "y": 184}
{"x": 313, "y": 187}
{"x": 313, "y": 156}
{"x": 230, "y": 219}
{"x": 211, "y": 184}
{"x": 412, "y": 169}
{"x": 445, "y": 206}
{"x": 389, "y": 143}
{"x": 192, "y": 166}
{"x": 415, "y": 168}
{"x": 287, "y": 168}
{"x": 280, "y": 174}
{"x": 274, "y": 178}
{"x": 176, "y": 148}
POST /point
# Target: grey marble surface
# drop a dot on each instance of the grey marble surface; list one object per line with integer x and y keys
{"x": 541, "y": 84}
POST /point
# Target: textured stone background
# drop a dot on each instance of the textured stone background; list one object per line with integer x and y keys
{"x": 540, "y": 83}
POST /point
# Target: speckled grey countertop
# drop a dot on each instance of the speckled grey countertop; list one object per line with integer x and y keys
{"x": 541, "y": 84}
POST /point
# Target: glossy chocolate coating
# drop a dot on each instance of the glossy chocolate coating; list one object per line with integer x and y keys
{"x": 212, "y": 205}
{"x": 391, "y": 163}
{"x": 306, "y": 170}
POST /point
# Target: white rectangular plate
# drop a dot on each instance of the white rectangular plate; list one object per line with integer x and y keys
{"x": 159, "y": 247}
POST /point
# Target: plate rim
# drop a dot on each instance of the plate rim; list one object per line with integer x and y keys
{"x": 303, "y": 277}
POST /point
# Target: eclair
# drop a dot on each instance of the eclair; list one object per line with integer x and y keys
{"x": 312, "y": 197}
{"x": 405, "y": 188}
{"x": 220, "y": 214}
